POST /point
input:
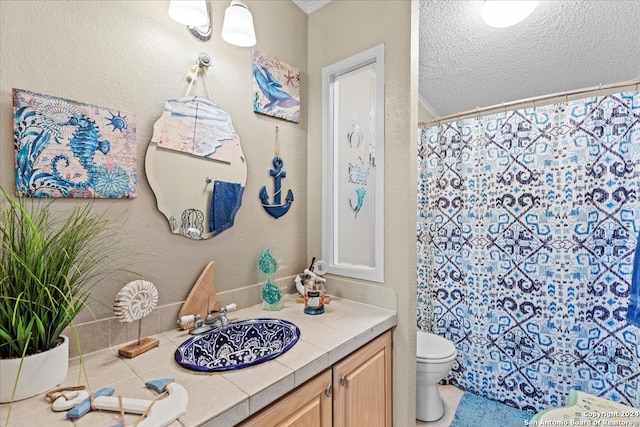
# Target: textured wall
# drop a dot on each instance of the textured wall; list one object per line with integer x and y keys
{"x": 129, "y": 55}
{"x": 337, "y": 31}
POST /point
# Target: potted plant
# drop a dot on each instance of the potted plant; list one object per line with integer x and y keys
{"x": 47, "y": 266}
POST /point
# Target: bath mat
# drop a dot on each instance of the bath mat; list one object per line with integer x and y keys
{"x": 476, "y": 411}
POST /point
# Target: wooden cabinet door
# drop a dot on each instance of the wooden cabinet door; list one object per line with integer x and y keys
{"x": 362, "y": 386}
{"x": 307, "y": 406}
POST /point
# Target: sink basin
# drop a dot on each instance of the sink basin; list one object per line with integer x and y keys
{"x": 239, "y": 345}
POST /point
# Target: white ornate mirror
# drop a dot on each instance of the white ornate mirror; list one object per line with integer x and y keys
{"x": 196, "y": 168}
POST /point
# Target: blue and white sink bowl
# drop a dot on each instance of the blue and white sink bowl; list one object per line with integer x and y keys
{"x": 239, "y": 345}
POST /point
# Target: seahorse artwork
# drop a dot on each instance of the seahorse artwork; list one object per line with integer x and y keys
{"x": 66, "y": 148}
{"x": 84, "y": 144}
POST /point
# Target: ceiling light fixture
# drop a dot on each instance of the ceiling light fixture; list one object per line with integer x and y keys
{"x": 503, "y": 13}
{"x": 194, "y": 14}
{"x": 237, "y": 28}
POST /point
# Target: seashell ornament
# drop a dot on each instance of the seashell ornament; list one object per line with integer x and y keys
{"x": 136, "y": 300}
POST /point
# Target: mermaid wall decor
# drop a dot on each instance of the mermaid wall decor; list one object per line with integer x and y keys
{"x": 66, "y": 148}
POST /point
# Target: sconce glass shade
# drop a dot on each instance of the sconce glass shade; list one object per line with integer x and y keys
{"x": 189, "y": 12}
{"x": 237, "y": 28}
{"x": 503, "y": 13}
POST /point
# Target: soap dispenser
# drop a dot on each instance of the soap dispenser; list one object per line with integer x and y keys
{"x": 314, "y": 290}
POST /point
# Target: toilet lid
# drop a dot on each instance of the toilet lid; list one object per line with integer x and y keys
{"x": 431, "y": 346}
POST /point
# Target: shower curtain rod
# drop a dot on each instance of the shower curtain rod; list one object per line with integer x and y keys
{"x": 533, "y": 100}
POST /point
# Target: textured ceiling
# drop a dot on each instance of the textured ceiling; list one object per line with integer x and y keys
{"x": 562, "y": 45}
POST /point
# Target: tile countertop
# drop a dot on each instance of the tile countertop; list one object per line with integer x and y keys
{"x": 223, "y": 398}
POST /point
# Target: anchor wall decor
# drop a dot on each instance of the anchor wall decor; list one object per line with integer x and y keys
{"x": 277, "y": 208}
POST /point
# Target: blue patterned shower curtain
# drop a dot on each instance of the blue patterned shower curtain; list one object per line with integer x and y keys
{"x": 527, "y": 229}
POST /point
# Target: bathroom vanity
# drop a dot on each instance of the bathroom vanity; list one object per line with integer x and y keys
{"x": 354, "y": 392}
{"x": 341, "y": 356}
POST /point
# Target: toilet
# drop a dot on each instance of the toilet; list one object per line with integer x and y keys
{"x": 434, "y": 359}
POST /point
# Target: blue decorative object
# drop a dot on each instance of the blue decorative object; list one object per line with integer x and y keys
{"x": 358, "y": 171}
{"x": 119, "y": 122}
{"x": 357, "y": 198}
{"x": 267, "y": 263}
{"x": 276, "y": 88}
{"x": 159, "y": 385}
{"x": 65, "y": 148}
{"x": 84, "y": 144}
{"x": 225, "y": 202}
{"x": 359, "y": 174}
{"x": 270, "y": 87}
{"x": 239, "y": 345}
{"x": 527, "y": 226}
{"x": 271, "y": 295}
{"x": 85, "y": 406}
{"x": 277, "y": 209}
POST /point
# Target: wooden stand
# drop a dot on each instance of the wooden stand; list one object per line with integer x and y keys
{"x": 136, "y": 349}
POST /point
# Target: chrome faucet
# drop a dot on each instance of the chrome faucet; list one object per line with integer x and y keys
{"x": 222, "y": 314}
{"x": 213, "y": 322}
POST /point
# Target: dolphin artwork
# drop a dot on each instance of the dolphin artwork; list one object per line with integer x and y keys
{"x": 270, "y": 87}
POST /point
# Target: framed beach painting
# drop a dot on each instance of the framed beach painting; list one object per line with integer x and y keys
{"x": 65, "y": 148}
{"x": 276, "y": 88}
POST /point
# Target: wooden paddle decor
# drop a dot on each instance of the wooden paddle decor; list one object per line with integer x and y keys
{"x": 202, "y": 294}
{"x": 136, "y": 300}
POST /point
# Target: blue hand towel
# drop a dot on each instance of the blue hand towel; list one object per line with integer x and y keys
{"x": 225, "y": 202}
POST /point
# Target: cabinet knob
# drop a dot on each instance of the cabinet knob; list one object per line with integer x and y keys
{"x": 328, "y": 390}
{"x": 343, "y": 380}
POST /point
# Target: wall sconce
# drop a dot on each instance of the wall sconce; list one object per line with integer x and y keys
{"x": 194, "y": 14}
{"x": 237, "y": 28}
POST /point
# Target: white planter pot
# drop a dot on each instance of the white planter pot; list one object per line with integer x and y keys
{"x": 40, "y": 372}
